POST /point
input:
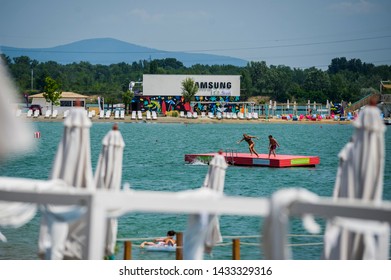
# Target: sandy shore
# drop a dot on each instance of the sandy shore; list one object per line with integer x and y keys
{"x": 192, "y": 121}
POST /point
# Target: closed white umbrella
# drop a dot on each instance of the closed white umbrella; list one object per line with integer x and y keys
{"x": 62, "y": 233}
{"x": 203, "y": 231}
{"x": 108, "y": 176}
{"x": 359, "y": 176}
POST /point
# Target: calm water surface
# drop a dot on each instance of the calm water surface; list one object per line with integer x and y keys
{"x": 154, "y": 160}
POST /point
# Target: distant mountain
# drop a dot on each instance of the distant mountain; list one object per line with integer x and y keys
{"x": 109, "y": 51}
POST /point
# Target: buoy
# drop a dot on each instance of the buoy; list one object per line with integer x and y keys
{"x": 37, "y": 134}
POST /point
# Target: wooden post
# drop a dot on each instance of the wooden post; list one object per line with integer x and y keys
{"x": 179, "y": 246}
{"x": 128, "y": 250}
{"x": 236, "y": 249}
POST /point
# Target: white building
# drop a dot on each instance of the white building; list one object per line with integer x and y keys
{"x": 67, "y": 101}
{"x": 208, "y": 85}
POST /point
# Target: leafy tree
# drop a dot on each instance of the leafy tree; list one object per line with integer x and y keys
{"x": 189, "y": 89}
{"x": 127, "y": 98}
{"x": 52, "y": 92}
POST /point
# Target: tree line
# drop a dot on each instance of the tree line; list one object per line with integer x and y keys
{"x": 348, "y": 80}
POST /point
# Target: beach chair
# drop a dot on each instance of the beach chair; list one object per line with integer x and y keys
{"x": 229, "y": 115}
{"x": 249, "y": 116}
{"x": 48, "y": 113}
{"x": 36, "y": 114}
{"x": 133, "y": 117}
{"x": 29, "y": 113}
{"x": 181, "y": 114}
{"x": 108, "y": 114}
{"x": 93, "y": 113}
{"x": 203, "y": 115}
{"x": 55, "y": 114}
{"x": 18, "y": 113}
{"x": 255, "y": 115}
{"x": 102, "y": 114}
{"x": 210, "y": 115}
{"x": 90, "y": 114}
{"x": 234, "y": 116}
{"x": 116, "y": 114}
{"x": 195, "y": 115}
{"x": 122, "y": 115}
{"x": 148, "y": 117}
{"x": 224, "y": 114}
{"x": 240, "y": 116}
{"x": 219, "y": 116}
{"x": 66, "y": 113}
{"x": 154, "y": 115}
{"x": 139, "y": 115}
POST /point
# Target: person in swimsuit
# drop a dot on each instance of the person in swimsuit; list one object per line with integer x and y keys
{"x": 273, "y": 144}
{"x": 162, "y": 241}
{"x": 250, "y": 142}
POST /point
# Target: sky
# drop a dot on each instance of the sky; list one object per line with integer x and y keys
{"x": 295, "y": 33}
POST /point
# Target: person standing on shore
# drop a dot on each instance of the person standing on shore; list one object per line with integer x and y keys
{"x": 273, "y": 144}
{"x": 250, "y": 142}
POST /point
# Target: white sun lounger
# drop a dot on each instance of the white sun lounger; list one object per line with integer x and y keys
{"x": 122, "y": 114}
{"x": 149, "y": 117}
{"x": 210, "y": 115}
{"x": 66, "y": 113}
{"x": 154, "y": 115}
{"x": 181, "y": 114}
{"x": 48, "y": 113}
{"x": 116, "y": 114}
{"x": 55, "y": 114}
{"x": 189, "y": 115}
{"x": 133, "y": 115}
{"x": 139, "y": 115}
{"x": 36, "y": 114}
{"x": 102, "y": 114}
{"x": 195, "y": 115}
{"x": 108, "y": 114}
{"x": 29, "y": 113}
{"x": 90, "y": 114}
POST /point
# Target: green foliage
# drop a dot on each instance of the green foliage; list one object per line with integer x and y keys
{"x": 189, "y": 89}
{"x": 52, "y": 91}
{"x": 343, "y": 80}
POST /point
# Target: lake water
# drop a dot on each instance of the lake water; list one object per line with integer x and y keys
{"x": 154, "y": 160}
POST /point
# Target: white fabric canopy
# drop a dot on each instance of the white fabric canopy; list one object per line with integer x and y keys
{"x": 275, "y": 228}
{"x": 108, "y": 175}
{"x": 60, "y": 235}
{"x": 203, "y": 230}
{"x": 359, "y": 176}
{"x": 16, "y": 136}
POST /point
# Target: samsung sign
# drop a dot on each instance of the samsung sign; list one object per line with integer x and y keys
{"x": 208, "y": 85}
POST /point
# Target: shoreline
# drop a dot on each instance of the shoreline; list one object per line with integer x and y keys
{"x": 198, "y": 120}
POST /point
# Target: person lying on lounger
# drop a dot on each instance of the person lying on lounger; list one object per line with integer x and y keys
{"x": 168, "y": 240}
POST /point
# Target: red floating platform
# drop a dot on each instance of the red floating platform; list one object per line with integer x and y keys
{"x": 246, "y": 159}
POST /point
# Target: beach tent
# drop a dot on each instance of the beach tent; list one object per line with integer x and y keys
{"x": 203, "y": 230}
{"x": 360, "y": 176}
{"x": 108, "y": 175}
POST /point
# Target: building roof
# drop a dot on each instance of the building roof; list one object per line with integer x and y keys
{"x": 64, "y": 94}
